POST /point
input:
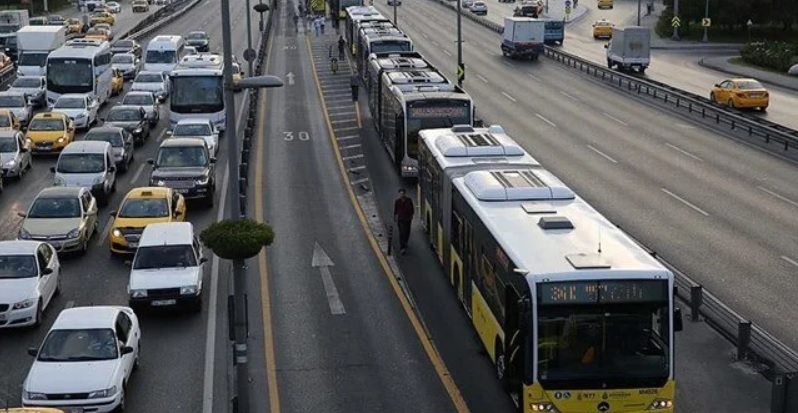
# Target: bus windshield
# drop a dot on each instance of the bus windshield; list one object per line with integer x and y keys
{"x": 587, "y": 346}
{"x": 388, "y": 46}
{"x": 197, "y": 94}
{"x": 70, "y": 75}
{"x": 161, "y": 56}
{"x": 433, "y": 114}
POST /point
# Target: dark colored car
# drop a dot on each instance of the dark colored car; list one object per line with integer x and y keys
{"x": 185, "y": 165}
{"x": 55, "y": 20}
{"x": 126, "y": 46}
{"x": 527, "y": 10}
{"x": 121, "y": 142}
{"x": 199, "y": 40}
{"x": 133, "y": 119}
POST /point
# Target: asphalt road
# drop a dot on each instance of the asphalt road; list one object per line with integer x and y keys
{"x": 717, "y": 209}
{"x": 677, "y": 68}
{"x": 171, "y": 377}
{"x": 342, "y": 342}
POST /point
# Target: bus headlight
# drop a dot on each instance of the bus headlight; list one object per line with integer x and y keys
{"x": 543, "y": 407}
{"x": 659, "y": 404}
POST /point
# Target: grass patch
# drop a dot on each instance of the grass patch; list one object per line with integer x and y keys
{"x": 740, "y": 62}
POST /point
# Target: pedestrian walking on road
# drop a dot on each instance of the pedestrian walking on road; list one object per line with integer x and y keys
{"x": 403, "y": 211}
{"x": 323, "y": 23}
{"x": 354, "y": 83}
{"x": 316, "y": 26}
{"x": 341, "y": 47}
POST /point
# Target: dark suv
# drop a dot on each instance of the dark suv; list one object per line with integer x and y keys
{"x": 185, "y": 165}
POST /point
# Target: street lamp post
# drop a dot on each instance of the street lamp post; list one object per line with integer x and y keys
{"x": 394, "y": 13}
{"x": 749, "y": 24}
{"x": 249, "y": 39}
{"x": 706, "y": 15}
{"x": 638, "y": 11}
{"x": 236, "y": 199}
{"x": 460, "y": 66}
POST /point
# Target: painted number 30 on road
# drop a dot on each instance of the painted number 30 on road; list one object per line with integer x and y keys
{"x": 302, "y": 136}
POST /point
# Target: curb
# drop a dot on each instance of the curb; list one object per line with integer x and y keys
{"x": 778, "y": 82}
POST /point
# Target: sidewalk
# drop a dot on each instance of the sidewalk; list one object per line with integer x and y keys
{"x": 659, "y": 43}
{"x": 721, "y": 63}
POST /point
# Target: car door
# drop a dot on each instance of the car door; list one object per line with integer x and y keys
{"x": 47, "y": 282}
{"x": 126, "y": 337}
{"x": 90, "y": 209}
{"x": 24, "y": 151}
{"x": 725, "y": 91}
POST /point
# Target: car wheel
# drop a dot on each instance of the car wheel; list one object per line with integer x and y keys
{"x": 39, "y": 314}
{"x": 209, "y": 199}
{"x": 121, "y": 406}
{"x": 136, "y": 362}
{"x": 730, "y": 103}
{"x": 196, "y": 305}
{"x": 712, "y": 97}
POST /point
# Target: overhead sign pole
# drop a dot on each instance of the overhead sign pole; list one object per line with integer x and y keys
{"x": 676, "y": 21}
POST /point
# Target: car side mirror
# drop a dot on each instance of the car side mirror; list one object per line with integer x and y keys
{"x": 606, "y": 46}
{"x": 52, "y": 169}
{"x": 717, "y": 84}
{"x": 213, "y": 160}
{"x": 151, "y": 161}
{"x": 112, "y": 213}
{"x": 168, "y": 133}
{"x": 47, "y": 271}
{"x": 22, "y": 214}
{"x": 111, "y": 169}
{"x": 127, "y": 350}
{"x": 203, "y": 260}
{"x": 33, "y": 351}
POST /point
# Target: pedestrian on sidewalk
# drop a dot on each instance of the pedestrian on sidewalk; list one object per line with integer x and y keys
{"x": 403, "y": 211}
{"x": 323, "y": 23}
{"x": 354, "y": 83}
{"x": 316, "y": 26}
{"x": 341, "y": 47}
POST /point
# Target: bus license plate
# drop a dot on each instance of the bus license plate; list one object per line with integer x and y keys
{"x": 162, "y": 303}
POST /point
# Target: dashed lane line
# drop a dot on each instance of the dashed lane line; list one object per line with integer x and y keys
{"x": 685, "y": 202}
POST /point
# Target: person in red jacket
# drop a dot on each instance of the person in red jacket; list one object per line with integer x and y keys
{"x": 403, "y": 216}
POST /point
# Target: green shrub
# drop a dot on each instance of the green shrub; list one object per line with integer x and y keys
{"x": 237, "y": 240}
{"x": 663, "y": 27}
{"x": 778, "y": 56}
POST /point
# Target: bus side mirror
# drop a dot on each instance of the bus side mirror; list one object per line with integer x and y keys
{"x": 678, "y": 325}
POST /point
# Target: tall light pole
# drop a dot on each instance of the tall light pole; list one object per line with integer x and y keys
{"x": 638, "y": 11}
{"x": 236, "y": 210}
{"x": 394, "y": 13}
{"x": 706, "y": 15}
{"x": 249, "y": 40}
{"x": 460, "y": 66}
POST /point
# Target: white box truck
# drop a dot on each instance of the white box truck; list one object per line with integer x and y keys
{"x": 629, "y": 48}
{"x": 523, "y": 37}
{"x": 13, "y": 20}
{"x": 35, "y": 43}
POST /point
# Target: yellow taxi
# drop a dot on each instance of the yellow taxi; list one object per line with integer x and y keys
{"x": 8, "y": 120}
{"x": 50, "y": 132}
{"x": 604, "y": 4}
{"x": 741, "y": 93}
{"x": 602, "y": 29}
{"x": 102, "y": 17}
{"x": 141, "y": 207}
{"x": 98, "y": 33}
{"x": 74, "y": 26}
{"x": 117, "y": 82}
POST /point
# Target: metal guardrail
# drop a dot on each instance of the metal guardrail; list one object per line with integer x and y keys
{"x": 752, "y": 342}
{"x": 679, "y": 99}
{"x": 161, "y": 17}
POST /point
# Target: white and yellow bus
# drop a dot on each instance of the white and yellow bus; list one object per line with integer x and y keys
{"x": 575, "y": 316}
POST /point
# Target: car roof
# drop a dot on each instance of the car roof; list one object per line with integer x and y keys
{"x": 127, "y": 107}
{"x": 99, "y": 129}
{"x": 73, "y": 95}
{"x": 167, "y": 233}
{"x": 11, "y": 92}
{"x": 86, "y": 317}
{"x": 49, "y": 115}
{"x": 18, "y": 247}
{"x": 60, "y": 192}
{"x": 138, "y": 92}
{"x": 743, "y": 79}
{"x": 183, "y": 142}
{"x": 198, "y": 32}
{"x": 150, "y": 72}
{"x": 86, "y": 147}
{"x": 148, "y": 192}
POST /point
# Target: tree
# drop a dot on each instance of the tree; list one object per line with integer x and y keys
{"x": 237, "y": 240}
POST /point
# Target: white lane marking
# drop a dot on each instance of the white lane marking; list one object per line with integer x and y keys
{"x": 137, "y": 175}
{"x": 609, "y": 158}
{"x": 210, "y": 331}
{"x": 781, "y": 197}
{"x": 482, "y": 78}
{"x": 790, "y": 260}
{"x": 534, "y": 77}
{"x": 615, "y": 119}
{"x": 568, "y": 96}
{"x": 104, "y": 233}
{"x": 684, "y": 152}
{"x": 343, "y": 129}
{"x": 323, "y": 262}
{"x": 512, "y": 99}
{"x": 348, "y": 158}
{"x": 446, "y": 52}
{"x": 357, "y": 145}
{"x": 357, "y": 168}
{"x": 359, "y": 181}
{"x": 683, "y": 126}
{"x": 541, "y": 117}
{"x": 686, "y": 202}
{"x": 434, "y": 43}
{"x": 344, "y": 138}
{"x": 424, "y": 35}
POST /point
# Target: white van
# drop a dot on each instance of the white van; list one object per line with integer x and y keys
{"x": 164, "y": 53}
{"x": 167, "y": 269}
{"x": 88, "y": 164}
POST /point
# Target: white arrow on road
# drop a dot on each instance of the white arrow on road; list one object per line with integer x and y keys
{"x": 290, "y": 77}
{"x": 323, "y": 262}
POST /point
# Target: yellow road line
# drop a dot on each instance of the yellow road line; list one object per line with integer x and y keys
{"x": 426, "y": 342}
{"x": 265, "y": 298}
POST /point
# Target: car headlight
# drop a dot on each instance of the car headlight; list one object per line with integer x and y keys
{"x": 100, "y": 394}
{"x": 188, "y": 290}
{"x": 59, "y": 181}
{"x": 35, "y": 396}
{"x": 138, "y": 131}
{"x": 138, "y": 293}
{"x": 11, "y": 163}
{"x": 658, "y": 404}
{"x": 61, "y": 140}
{"x": 117, "y": 233}
{"x": 25, "y": 304}
{"x": 202, "y": 181}
{"x": 24, "y": 234}
{"x": 74, "y": 233}
{"x": 98, "y": 180}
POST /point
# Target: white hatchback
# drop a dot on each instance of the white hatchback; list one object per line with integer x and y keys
{"x": 197, "y": 128}
{"x": 85, "y": 361}
{"x": 30, "y": 276}
{"x": 81, "y": 108}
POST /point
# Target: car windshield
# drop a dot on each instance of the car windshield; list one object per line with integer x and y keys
{"x": 80, "y": 345}
{"x": 12, "y": 101}
{"x": 55, "y": 208}
{"x": 191, "y": 130}
{"x": 122, "y": 58}
{"x": 8, "y": 144}
{"x": 112, "y": 137}
{"x": 17, "y": 266}
{"x": 32, "y": 59}
{"x": 148, "y": 78}
{"x": 27, "y": 82}
{"x": 81, "y": 163}
{"x": 70, "y": 103}
{"x": 144, "y": 208}
{"x": 46, "y": 125}
{"x": 160, "y": 56}
{"x": 164, "y": 256}
{"x": 181, "y": 157}
{"x": 749, "y": 84}
{"x": 197, "y": 36}
{"x": 124, "y": 115}
{"x": 135, "y": 99}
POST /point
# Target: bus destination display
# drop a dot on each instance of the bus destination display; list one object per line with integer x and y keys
{"x": 603, "y": 292}
{"x": 454, "y": 112}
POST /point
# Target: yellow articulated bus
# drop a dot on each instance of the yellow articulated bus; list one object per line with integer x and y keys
{"x": 575, "y": 316}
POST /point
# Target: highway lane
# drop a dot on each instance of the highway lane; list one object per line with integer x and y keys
{"x": 719, "y": 210}
{"x": 678, "y": 68}
{"x": 171, "y": 377}
{"x": 342, "y": 341}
